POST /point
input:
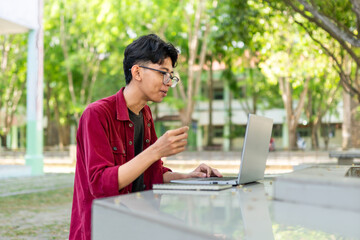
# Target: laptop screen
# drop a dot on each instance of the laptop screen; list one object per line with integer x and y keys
{"x": 255, "y": 148}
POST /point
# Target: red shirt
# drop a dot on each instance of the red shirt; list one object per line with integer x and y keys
{"x": 104, "y": 142}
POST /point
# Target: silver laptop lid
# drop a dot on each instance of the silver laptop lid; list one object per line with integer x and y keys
{"x": 255, "y": 149}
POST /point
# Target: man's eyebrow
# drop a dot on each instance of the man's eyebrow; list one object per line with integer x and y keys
{"x": 166, "y": 69}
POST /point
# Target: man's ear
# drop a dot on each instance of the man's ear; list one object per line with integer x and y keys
{"x": 135, "y": 72}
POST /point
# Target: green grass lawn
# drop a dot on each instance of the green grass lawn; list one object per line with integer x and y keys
{"x": 44, "y": 214}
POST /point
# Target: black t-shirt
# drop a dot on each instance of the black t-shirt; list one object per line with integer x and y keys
{"x": 138, "y": 121}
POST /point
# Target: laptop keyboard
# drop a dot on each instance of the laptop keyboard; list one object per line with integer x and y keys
{"x": 218, "y": 179}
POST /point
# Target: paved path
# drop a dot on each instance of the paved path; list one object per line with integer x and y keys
{"x": 229, "y": 162}
{"x": 226, "y": 162}
{"x": 24, "y": 185}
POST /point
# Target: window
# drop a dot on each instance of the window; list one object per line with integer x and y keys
{"x": 238, "y": 131}
{"x": 277, "y": 130}
{"x": 218, "y": 94}
{"x": 304, "y": 132}
{"x": 328, "y": 130}
{"x": 218, "y": 131}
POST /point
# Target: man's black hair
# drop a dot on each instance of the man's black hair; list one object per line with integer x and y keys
{"x": 148, "y": 48}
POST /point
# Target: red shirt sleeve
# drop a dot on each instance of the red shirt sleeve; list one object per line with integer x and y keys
{"x": 102, "y": 173}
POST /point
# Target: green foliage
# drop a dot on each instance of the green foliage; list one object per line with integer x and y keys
{"x": 237, "y": 42}
{"x": 291, "y": 53}
{"x": 13, "y": 56}
{"x": 85, "y": 40}
{"x": 236, "y": 22}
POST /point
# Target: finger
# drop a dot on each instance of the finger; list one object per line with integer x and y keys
{"x": 180, "y": 137}
{"x": 216, "y": 173}
{"x": 198, "y": 174}
{"x": 208, "y": 170}
{"x": 179, "y": 144}
{"x": 198, "y": 169}
{"x": 176, "y": 150}
{"x": 178, "y": 131}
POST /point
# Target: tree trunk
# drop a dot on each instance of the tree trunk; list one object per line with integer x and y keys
{"x": 230, "y": 121}
{"x": 49, "y": 131}
{"x": 346, "y": 126}
{"x": 355, "y": 124}
{"x": 255, "y": 94}
{"x": 58, "y": 124}
{"x": 210, "y": 92}
{"x": 292, "y": 115}
{"x": 292, "y": 136}
{"x": 326, "y": 136}
{"x": 315, "y": 136}
{"x": 194, "y": 73}
{"x": 3, "y": 141}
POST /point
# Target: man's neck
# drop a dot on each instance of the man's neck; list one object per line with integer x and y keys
{"x": 133, "y": 100}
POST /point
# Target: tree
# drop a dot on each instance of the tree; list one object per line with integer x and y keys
{"x": 322, "y": 97}
{"x": 85, "y": 41}
{"x": 210, "y": 84}
{"x": 238, "y": 48}
{"x": 83, "y": 49}
{"x": 198, "y": 33}
{"x": 291, "y": 64}
{"x": 341, "y": 22}
{"x": 13, "y": 50}
{"x": 232, "y": 43}
{"x": 79, "y": 37}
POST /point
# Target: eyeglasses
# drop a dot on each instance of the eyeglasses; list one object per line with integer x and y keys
{"x": 167, "y": 77}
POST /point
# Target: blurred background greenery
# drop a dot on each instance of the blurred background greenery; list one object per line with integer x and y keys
{"x": 300, "y": 58}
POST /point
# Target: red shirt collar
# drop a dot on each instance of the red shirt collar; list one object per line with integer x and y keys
{"x": 122, "y": 113}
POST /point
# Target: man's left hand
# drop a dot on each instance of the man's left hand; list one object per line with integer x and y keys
{"x": 204, "y": 170}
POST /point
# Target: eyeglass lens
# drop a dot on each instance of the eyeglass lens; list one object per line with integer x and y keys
{"x": 167, "y": 78}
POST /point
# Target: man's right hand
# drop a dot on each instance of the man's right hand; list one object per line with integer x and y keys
{"x": 172, "y": 142}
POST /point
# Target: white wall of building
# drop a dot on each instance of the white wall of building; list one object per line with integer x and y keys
{"x": 18, "y": 16}
{"x": 239, "y": 117}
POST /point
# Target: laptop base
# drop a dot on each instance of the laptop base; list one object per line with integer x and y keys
{"x": 211, "y": 180}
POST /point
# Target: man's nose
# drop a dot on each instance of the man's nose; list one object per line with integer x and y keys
{"x": 169, "y": 83}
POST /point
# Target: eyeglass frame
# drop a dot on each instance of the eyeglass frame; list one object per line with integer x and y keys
{"x": 166, "y": 80}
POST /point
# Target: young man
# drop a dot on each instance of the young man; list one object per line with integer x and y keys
{"x": 117, "y": 148}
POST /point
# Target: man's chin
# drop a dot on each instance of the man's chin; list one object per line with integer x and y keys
{"x": 159, "y": 100}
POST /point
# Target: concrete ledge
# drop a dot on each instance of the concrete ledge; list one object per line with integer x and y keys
{"x": 7, "y": 171}
{"x": 325, "y": 186}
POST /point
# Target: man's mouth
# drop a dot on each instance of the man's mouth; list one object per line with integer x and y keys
{"x": 164, "y": 93}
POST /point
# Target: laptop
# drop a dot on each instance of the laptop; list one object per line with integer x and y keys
{"x": 253, "y": 157}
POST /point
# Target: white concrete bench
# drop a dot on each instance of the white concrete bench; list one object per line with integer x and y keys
{"x": 345, "y": 157}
